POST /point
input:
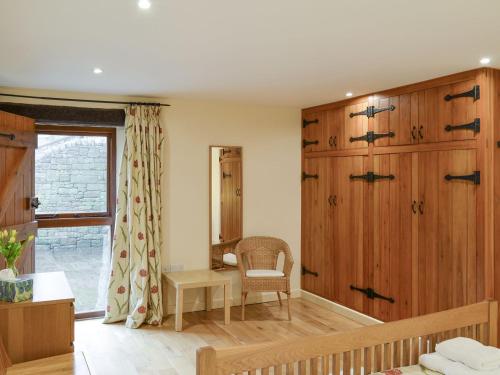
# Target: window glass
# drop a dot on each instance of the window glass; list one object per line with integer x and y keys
{"x": 71, "y": 174}
{"x": 83, "y": 253}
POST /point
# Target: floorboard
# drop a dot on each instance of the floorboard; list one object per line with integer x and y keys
{"x": 114, "y": 349}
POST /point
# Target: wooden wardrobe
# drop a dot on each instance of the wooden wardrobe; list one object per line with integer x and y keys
{"x": 401, "y": 197}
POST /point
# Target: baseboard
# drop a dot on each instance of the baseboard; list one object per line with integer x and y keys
{"x": 217, "y": 303}
{"x": 339, "y": 309}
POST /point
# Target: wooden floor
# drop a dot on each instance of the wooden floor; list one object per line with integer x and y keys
{"x": 114, "y": 349}
{"x": 66, "y": 364}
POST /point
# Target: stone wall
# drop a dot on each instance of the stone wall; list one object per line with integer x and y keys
{"x": 70, "y": 176}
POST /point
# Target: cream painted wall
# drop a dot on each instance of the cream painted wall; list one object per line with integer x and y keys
{"x": 270, "y": 137}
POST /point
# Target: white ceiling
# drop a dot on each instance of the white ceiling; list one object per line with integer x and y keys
{"x": 284, "y": 52}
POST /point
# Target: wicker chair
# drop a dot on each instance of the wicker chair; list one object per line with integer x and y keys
{"x": 257, "y": 261}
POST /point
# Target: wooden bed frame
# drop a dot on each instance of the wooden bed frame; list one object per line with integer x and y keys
{"x": 375, "y": 348}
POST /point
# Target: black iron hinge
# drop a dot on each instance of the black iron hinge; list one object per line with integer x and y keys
{"x": 372, "y": 177}
{"x": 371, "y": 136}
{"x": 372, "y": 294}
{"x": 474, "y": 177}
{"x": 474, "y": 125}
{"x": 305, "y": 176}
{"x": 7, "y": 135}
{"x": 371, "y": 111}
{"x": 472, "y": 93}
{"x": 306, "y": 143}
{"x": 306, "y": 123}
{"x": 305, "y": 271}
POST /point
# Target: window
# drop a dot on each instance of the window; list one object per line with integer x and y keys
{"x": 75, "y": 184}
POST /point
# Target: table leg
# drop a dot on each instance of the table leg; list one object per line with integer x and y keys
{"x": 179, "y": 301}
{"x": 227, "y": 303}
{"x": 208, "y": 298}
{"x": 164, "y": 294}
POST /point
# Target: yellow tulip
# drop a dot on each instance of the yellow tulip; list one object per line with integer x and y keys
{"x": 12, "y": 240}
{"x": 13, "y": 232}
{"x": 5, "y": 233}
{"x": 31, "y": 237}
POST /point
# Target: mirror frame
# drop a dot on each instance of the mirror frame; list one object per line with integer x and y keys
{"x": 210, "y": 147}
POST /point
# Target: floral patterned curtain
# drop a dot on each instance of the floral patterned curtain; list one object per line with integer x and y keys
{"x": 134, "y": 289}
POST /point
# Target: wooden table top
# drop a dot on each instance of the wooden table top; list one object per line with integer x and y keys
{"x": 196, "y": 278}
{"x": 48, "y": 288}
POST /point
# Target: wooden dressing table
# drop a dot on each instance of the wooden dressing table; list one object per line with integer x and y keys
{"x": 42, "y": 327}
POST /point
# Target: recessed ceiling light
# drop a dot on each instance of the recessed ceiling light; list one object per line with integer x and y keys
{"x": 144, "y": 4}
{"x": 348, "y": 94}
{"x": 485, "y": 60}
{"x": 97, "y": 71}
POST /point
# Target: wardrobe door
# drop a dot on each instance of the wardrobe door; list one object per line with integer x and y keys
{"x": 314, "y": 136}
{"x": 447, "y": 229}
{"x": 314, "y": 211}
{"x": 335, "y": 128}
{"x": 449, "y": 112}
{"x": 399, "y": 126}
{"x": 394, "y": 212}
{"x": 355, "y": 126}
{"x": 350, "y": 229}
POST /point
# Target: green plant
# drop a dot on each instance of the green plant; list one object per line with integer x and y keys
{"x": 11, "y": 248}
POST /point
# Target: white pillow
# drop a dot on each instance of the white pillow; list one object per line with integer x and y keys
{"x": 265, "y": 273}
{"x": 230, "y": 259}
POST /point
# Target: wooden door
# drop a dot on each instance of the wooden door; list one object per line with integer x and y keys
{"x": 350, "y": 227}
{"x": 447, "y": 230}
{"x": 440, "y": 119}
{"x": 394, "y": 212}
{"x": 355, "y": 126}
{"x": 230, "y": 198}
{"x": 17, "y": 163}
{"x": 315, "y": 246}
{"x": 314, "y": 136}
{"x": 401, "y": 123}
{"x": 335, "y": 128}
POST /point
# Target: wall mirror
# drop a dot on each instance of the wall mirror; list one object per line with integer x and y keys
{"x": 226, "y": 205}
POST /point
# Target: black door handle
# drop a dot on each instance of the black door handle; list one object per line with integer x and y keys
{"x": 414, "y": 207}
{"x": 414, "y": 133}
{"x": 35, "y": 203}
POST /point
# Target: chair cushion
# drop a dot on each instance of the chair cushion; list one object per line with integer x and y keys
{"x": 265, "y": 273}
{"x": 230, "y": 259}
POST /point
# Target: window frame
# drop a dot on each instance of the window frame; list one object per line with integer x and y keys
{"x": 81, "y": 219}
{"x": 85, "y": 219}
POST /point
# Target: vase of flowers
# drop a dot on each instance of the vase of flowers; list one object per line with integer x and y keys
{"x": 11, "y": 249}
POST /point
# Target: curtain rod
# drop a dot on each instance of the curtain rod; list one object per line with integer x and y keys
{"x": 85, "y": 100}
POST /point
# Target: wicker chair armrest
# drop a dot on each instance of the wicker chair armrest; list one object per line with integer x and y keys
{"x": 288, "y": 265}
{"x": 241, "y": 265}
